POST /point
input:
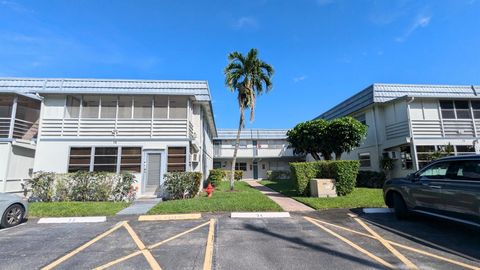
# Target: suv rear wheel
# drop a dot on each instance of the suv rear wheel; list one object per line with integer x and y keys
{"x": 401, "y": 210}
{"x": 12, "y": 216}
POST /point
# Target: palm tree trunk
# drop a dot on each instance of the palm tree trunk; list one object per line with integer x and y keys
{"x": 237, "y": 142}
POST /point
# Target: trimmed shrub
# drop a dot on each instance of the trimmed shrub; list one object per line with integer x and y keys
{"x": 42, "y": 186}
{"x": 215, "y": 177}
{"x": 182, "y": 185}
{"x": 82, "y": 186}
{"x": 370, "y": 179}
{"x": 343, "y": 171}
{"x": 238, "y": 174}
{"x": 278, "y": 175}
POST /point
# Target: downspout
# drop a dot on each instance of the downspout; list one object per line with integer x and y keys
{"x": 376, "y": 136}
{"x": 410, "y": 131}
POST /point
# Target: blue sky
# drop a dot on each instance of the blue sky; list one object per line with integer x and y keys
{"x": 323, "y": 51}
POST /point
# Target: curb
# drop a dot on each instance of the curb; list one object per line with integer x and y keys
{"x": 72, "y": 220}
{"x": 260, "y": 215}
{"x": 377, "y": 210}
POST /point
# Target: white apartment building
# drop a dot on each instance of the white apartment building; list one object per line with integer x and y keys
{"x": 19, "y": 115}
{"x": 144, "y": 127}
{"x": 409, "y": 122}
{"x": 260, "y": 150}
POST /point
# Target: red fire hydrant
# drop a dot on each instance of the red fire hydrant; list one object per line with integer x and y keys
{"x": 209, "y": 190}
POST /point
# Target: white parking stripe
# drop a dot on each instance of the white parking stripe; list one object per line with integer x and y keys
{"x": 73, "y": 220}
{"x": 260, "y": 215}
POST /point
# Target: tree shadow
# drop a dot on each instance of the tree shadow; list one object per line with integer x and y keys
{"x": 301, "y": 242}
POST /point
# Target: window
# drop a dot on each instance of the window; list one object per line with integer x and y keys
{"x": 217, "y": 165}
{"x": 142, "y": 107}
{"x": 462, "y": 110}
{"x": 131, "y": 159}
{"x": 406, "y": 157}
{"x": 465, "y": 170}
{"x": 79, "y": 159}
{"x": 73, "y": 107}
{"x": 364, "y": 159}
{"x": 361, "y": 118}
{"x": 263, "y": 166}
{"x": 28, "y": 112}
{"x": 242, "y": 144}
{"x": 178, "y": 107}
{"x": 125, "y": 107}
{"x": 177, "y": 159}
{"x": 476, "y": 109}
{"x": 465, "y": 150}
{"x": 241, "y": 166}
{"x": 109, "y": 107}
{"x": 90, "y": 106}
{"x": 448, "y": 111}
{"x": 436, "y": 171}
{"x": 161, "y": 107}
{"x": 105, "y": 159}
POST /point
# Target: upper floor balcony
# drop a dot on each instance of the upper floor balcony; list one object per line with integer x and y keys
{"x": 117, "y": 116}
{"x": 250, "y": 151}
{"x": 19, "y": 117}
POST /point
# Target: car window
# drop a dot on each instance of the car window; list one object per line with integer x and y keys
{"x": 435, "y": 171}
{"x": 466, "y": 170}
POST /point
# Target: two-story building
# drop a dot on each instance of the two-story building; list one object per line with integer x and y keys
{"x": 144, "y": 127}
{"x": 410, "y": 122}
{"x": 260, "y": 150}
{"x": 19, "y": 115}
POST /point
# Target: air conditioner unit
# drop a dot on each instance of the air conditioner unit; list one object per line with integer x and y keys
{"x": 195, "y": 157}
{"x": 393, "y": 154}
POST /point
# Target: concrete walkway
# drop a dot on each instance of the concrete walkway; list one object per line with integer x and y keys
{"x": 286, "y": 203}
{"x": 140, "y": 206}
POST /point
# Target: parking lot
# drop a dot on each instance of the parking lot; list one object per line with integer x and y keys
{"x": 334, "y": 239}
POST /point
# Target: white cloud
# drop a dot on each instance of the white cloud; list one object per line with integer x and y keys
{"x": 420, "y": 22}
{"x": 299, "y": 78}
{"x": 245, "y": 22}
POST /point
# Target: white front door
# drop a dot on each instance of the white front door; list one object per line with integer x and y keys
{"x": 153, "y": 172}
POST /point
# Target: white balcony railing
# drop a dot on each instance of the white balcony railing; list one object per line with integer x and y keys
{"x": 445, "y": 128}
{"x": 120, "y": 128}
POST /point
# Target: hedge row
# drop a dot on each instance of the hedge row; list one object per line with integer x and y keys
{"x": 343, "y": 171}
{"x": 182, "y": 185}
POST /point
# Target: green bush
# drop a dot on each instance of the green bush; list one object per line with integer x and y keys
{"x": 81, "y": 186}
{"x": 278, "y": 175}
{"x": 370, "y": 179}
{"x": 343, "y": 171}
{"x": 237, "y": 175}
{"x": 42, "y": 186}
{"x": 182, "y": 185}
{"x": 215, "y": 177}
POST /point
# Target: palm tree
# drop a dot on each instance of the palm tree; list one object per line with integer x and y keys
{"x": 249, "y": 77}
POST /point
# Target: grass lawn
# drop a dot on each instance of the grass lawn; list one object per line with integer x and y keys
{"x": 74, "y": 209}
{"x": 360, "y": 197}
{"x": 244, "y": 198}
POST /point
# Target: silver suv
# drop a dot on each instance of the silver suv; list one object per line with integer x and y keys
{"x": 447, "y": 188}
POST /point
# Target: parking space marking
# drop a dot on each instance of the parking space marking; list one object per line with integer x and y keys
{"x": 465, "y": 265}
{"x": 169, "y": 217}
{"x": 84, "y": 246}
{"x": 387, "y": 245}
{"x": 146, "y": 253}
{"x": 350, "y": 243}
{"x": 133, "y": 254}
{"x": 207, "y": 264}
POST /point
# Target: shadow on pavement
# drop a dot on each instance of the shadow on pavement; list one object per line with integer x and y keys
{"x": 303, "y": 243}
{"x": 443, "y": 235}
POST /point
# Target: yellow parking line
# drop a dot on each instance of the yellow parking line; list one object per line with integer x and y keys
{"x": 109, "y": 264}
{"x": 468, "y": 266}
{"x": 207, "y": 264}
{"x": 82, "y": 247}
{"x": 357, "y": 247}
{"x": 146, "y": 253}
{"x": 169, "y": 217}
{"x": 387, "y": 245}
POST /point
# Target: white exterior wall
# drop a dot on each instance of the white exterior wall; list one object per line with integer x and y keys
{"x": 15, "y": 164}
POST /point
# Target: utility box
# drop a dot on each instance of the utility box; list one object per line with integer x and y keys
{"x": 322, "y": 188}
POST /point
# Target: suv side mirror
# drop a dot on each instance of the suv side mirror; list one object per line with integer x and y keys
{"x": 412, "y": 177}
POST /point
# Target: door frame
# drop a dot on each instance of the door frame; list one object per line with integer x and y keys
{"x": 163, "y": 167}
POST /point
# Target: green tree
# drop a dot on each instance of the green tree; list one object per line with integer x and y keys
{"x": 249, "y": 77}
{"x": 310, "y": 138}
{"x": 345, "y": 134}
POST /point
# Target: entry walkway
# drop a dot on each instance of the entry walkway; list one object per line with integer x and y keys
{"x": 140, "y": 206}
{"x": 286, "y": 203}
